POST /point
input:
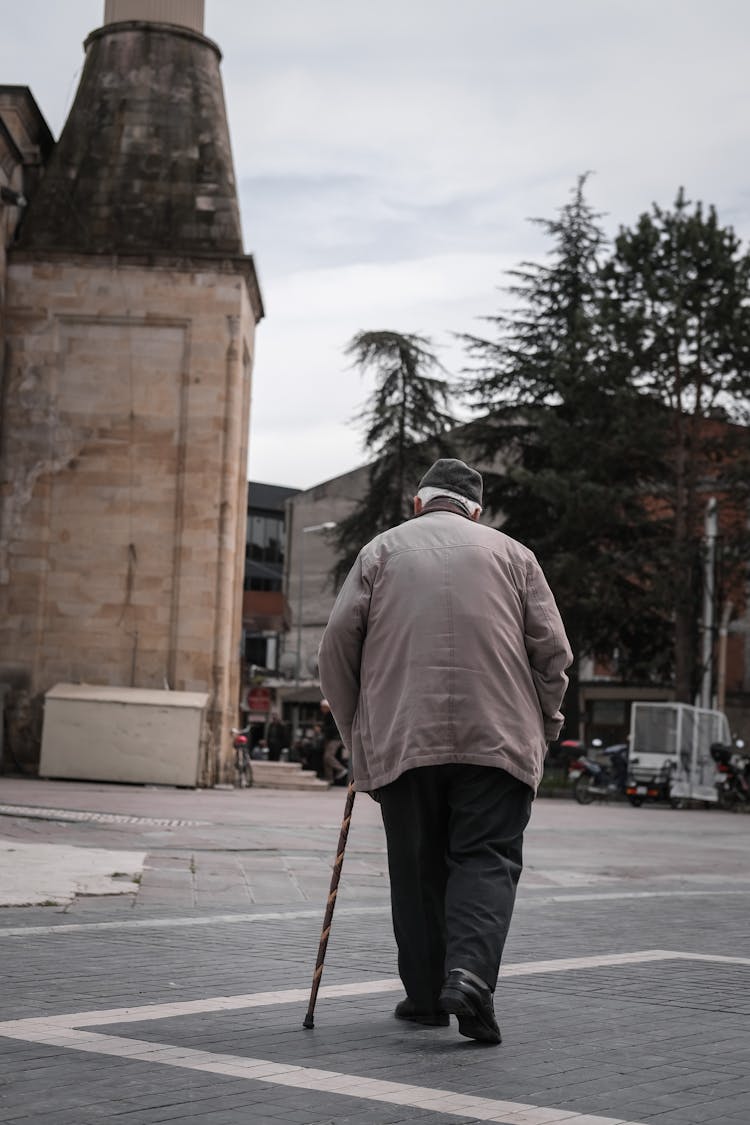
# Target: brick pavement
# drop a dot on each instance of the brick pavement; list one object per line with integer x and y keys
{"x": 231, "y": 908}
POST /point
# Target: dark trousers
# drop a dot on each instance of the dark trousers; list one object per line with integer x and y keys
{"x": 454, "y": 835}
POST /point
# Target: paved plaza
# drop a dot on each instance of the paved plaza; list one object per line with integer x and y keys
{"x": 178, "y": 994}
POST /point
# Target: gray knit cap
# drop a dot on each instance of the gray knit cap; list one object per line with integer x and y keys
{"x": 454, "y": 476}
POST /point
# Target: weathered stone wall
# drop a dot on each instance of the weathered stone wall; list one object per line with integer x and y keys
{"x": 25, "y": 143}
{"x": 144, "y": 162}
{"x": 123, "y": 481}
{"x": 188, "y": 13}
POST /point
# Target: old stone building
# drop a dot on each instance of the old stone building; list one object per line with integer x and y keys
{"x": 25, "y": 144}
{"x": 128, "y": 323}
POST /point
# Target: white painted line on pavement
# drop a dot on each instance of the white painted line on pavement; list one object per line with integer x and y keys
{"x": 65, "y": 1031}
{"x": 201, "y": 920}
{"x": 591, "y": 896}
{"x": 527, "y": 899}
{"x": 180, "y": 1008}
{"x": 326, "y": 1081}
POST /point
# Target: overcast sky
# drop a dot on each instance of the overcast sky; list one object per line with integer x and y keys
{"x": 389, "y": 156}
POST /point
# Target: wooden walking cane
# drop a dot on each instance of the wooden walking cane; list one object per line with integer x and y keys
{"x": 333, "y": 891}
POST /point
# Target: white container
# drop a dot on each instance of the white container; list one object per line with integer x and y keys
{"x": 135, "y": 735}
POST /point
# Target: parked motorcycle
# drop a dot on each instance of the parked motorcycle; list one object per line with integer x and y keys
{"x": 593, "y": 779}
{"x": 733, "y": 768}
{"x": 654, "y": 784}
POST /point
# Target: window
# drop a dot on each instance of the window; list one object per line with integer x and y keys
{"x": 265, "y": 538}
{"x": 268, "y": 585}
{"x": 256, "y": 650}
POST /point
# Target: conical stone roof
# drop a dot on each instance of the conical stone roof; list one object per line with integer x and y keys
{"x": 143, "y": 164}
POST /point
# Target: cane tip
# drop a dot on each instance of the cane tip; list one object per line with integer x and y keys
{"x": 308, "y": 1022}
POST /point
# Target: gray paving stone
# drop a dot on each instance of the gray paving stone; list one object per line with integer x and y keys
{"x": 660, "y": 1043}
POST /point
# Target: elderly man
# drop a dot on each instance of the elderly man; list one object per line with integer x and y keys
{"x": 444, "y": 664}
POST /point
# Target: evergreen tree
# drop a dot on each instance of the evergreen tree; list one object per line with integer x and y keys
{"x": 578, "y": 448}
{"x": 405, "y": 423}
{"x": 679, "y": 311}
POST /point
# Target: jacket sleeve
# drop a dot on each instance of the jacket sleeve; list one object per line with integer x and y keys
{"x": 547, "y": 648}
{"x": 340, "y": 651}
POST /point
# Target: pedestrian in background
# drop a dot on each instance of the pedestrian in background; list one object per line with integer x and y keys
{"x": 444, "y": 664}
{"x": 311, "y": 749}
{"x": 333, "y": 768}
{"x": 277, "y": 738}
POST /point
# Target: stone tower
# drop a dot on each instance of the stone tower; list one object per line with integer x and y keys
{"x": 129, "y": 319}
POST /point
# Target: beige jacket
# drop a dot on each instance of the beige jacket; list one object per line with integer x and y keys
{"x": 445, "y": 645}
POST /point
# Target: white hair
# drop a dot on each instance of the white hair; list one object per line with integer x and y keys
{"x": 469, "y": 506}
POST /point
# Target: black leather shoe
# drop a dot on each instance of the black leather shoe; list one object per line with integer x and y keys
{"x": 406, "y": 1010}
{"x": 468, "y": 998}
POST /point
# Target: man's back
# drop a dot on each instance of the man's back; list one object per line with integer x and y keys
{"x": 452, "y": 620}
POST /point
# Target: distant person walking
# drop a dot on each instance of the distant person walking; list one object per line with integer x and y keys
{"x": 333, "y": 768}
{"x": 277, "y": 738}
{"x": 444, "y": 664}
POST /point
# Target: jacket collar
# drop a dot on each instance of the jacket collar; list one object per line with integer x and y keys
{"x": 444, "y": 504}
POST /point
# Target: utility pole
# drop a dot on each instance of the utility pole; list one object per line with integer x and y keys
{"x": 709, "y": 591}
{"x": 721, "y": 678}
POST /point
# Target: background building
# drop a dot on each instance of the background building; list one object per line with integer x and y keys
{"x": 308, "y": 584}
{"x": 263, "y": 603}
{"x": 128, "y": 318}
{"x": 604, "y": 699}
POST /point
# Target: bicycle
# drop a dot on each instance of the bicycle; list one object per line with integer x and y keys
{"x": 242, "y": 766}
